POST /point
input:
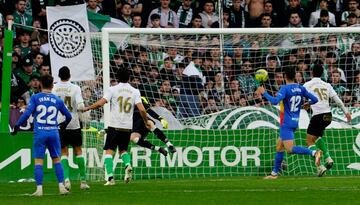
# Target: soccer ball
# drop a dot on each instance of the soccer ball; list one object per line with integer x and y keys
{"x": 261, "y": 75}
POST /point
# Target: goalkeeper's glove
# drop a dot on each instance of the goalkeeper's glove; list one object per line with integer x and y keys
{"x": 15, "y": 130}
{"x": 144, "y": 100}
{"x": 164, "y": 123}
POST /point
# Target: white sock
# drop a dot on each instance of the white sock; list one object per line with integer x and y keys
{"x": 169, "y": 144}
{"x": 156, "y": 148}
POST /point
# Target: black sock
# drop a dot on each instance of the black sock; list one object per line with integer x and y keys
{"x": 146, "y": 144}
{"x": 159, "y": 134}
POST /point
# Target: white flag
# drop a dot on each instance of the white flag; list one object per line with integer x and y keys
{"x": 69, "y": 41}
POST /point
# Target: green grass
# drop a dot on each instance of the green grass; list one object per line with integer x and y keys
{"x": 222, "y": 190}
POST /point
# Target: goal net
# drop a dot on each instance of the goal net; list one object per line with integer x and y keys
{"x": 202, "y": 82}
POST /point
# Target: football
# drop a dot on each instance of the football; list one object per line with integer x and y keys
{"x": 261, "y": 75}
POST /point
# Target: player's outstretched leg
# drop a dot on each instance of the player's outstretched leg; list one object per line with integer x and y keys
{"x": 323, "y": 147}
{"x": 144, "y": 143}
{"x": 160, "y": 135}
{"x": 38, "y": 173}
{"x": 109, "y": 170}
{"x": 279, "y": 156}
{"x": 306, "y": 151}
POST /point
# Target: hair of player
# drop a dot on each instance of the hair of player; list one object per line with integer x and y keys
{"x": 318, "y": 70}
{"x": 290, "y": 73}
{"x": 47, "y": 81}
{"x": 123, "y": 75}
{"x": 64, "y": 73}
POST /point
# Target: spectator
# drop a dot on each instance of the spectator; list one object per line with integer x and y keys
{"x": 137, "y": 21}
{"x": 218, "y": 91}
{"x": 266, "y": 20}
{"x": 44, "y": 69}
{"x": 248, "y": 83}
{"x": 324, "y": 20}
{"x": 167, "y": 72}
{"x": 155, "y": 21}
{"x": 349, "y": 62}
{"x": 314, "y": 17}
{"x": 353, "y": 6}
{"x": 352, "y": 19}
{"x": 196, "y": 21}
{"x": 27, "y": 70}
{"x": 331, "y": 64}
{"x": 39, "y": 11}
{"x": 34, "y": 87}
{"x": 125, "y": 14}
{"x": 303, "y": 69}
{"x": 268, "y": 9}
{"x": 168, "y": 17}
{"x": 295, "y": 7}
{"x": 24, "y": 45}
{"x": 38, "y": 60}
{"x": 255, "y": 8}
{"x": 239, "y": 18}
{"x": 185, "y": 14}
{"x": 208, "y": 15}
{"x": 299, "y": 78}
{"x": 211, "y": 107}
{"x": 295, "y": 20}
{"x": 92, "y": 5}
{"x": 20, "y": 16}
{"x": 336, "y": 83}
{"x": 194, "y": 82}
{"x": 356, "y": 91}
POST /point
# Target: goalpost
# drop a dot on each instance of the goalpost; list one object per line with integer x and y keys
{"x": 218, "y": 124}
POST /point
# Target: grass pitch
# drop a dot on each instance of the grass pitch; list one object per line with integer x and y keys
{"x": 221, "y": 190}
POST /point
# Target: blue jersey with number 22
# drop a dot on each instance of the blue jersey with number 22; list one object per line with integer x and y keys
{"x": 45, "y": 108}
{"x": 290, "y": 97}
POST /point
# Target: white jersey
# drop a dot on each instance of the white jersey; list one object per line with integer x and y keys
{"x": 122, "y": 97}
{"x": 323, "y": 91}
{"x": 71, "y": 95}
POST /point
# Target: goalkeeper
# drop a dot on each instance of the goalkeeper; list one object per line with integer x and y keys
{"x": 321, "y": 116}
{"x": 140, "y": 131}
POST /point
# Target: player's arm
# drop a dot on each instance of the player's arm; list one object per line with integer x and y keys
{"x": 308, "y": 95}
{"x": 274, "y": 100}
{"x": 29, "y": 110}
{"x": 96, "y": 105}
{"x": 66, "y": 113}
{"x": 153, "y": 114}
{"x": 338, "y": 101}
{"x": 79, "y": 99}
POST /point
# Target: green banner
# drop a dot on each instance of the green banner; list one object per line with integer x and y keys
{"x": 199, "y": 153}
{"x": 251, "y": 117}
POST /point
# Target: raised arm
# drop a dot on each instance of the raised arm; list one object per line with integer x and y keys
{"x": 274, "y": 100}
{"x": 340, "y": 103}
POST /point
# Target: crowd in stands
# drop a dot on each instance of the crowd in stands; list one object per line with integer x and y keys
{"x": 194, "y": 80}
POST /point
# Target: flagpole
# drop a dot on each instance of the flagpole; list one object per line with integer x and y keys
{"x": 6, "y": 80}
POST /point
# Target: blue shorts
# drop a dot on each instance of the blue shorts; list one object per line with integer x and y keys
{"x": 43, "y": 140}
{"x": 287, "y": 133}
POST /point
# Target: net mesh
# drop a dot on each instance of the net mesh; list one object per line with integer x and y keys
{"x": 218, "y": 123}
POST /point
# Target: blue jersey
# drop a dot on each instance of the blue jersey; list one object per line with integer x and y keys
{"x": 290, "y": 97}
{"x": 45, "y": 108}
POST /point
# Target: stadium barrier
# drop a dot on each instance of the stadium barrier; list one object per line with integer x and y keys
{"x": 216, "y": 151}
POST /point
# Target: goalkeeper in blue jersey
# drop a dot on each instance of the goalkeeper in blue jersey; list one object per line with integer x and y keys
{"x": 290, "y": 97}
{"x": 45, "y": 107}
{"x": 139, "y": 131}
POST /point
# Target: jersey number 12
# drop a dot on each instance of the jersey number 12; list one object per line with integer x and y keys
{"x": 295, "y": 101}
